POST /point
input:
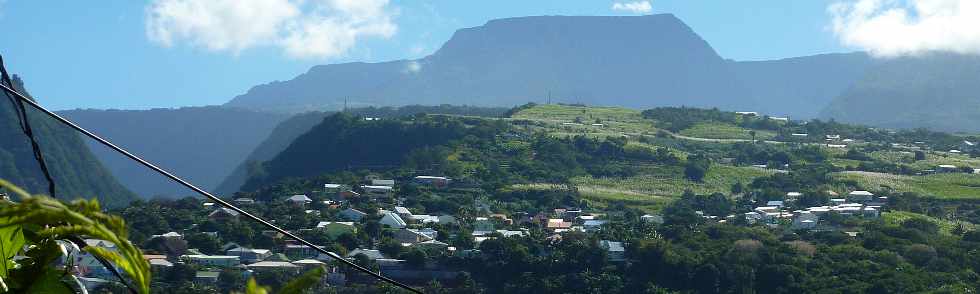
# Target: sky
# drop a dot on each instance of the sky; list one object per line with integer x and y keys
{"x": 128, "y": 54}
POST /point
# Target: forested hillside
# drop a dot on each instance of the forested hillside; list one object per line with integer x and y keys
{"x": 287, "y": 131}
{"x": 202, "y": 144}
{"x": 76, "y": 172}
{"x": 937, "y": 91}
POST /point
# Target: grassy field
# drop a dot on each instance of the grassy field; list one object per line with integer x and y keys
{"x": 947, "y": 185}
{"x": 945, "y": 226}
{"x": 576, "y": 119}
{"x": 659, "y": 184}
{"x": 724, "y": 131}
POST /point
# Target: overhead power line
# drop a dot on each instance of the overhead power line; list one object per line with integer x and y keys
{"x": 187, "y": 184}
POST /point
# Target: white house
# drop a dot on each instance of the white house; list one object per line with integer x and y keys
{"x": 299, "y": 200}
{"x": 389, "y": 183}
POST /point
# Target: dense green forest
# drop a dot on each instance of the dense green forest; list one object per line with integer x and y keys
{"x": 76, "y": 172}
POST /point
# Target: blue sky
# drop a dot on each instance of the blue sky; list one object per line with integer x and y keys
{"x": 77, "y": 55}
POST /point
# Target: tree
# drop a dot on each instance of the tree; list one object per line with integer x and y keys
{"x": 390, "y": 248}
{"x": 920, "y": 254}
{"x": 230, "y": 279}
{"x": 415, "y": 257}
{"x": 737, "y": 188}
{"x": 207, "y": 244}
{"x": 696, "y": 167}
{"x": 919, "y": 155}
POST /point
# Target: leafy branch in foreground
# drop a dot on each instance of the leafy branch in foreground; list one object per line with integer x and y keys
{"x": 39, "y": 222}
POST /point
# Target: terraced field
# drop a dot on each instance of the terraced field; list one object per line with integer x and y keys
{"x": 725, "y": 131}
{"x": 657, "y": 186}
{"x": 945, "y": 226}
{"x": 946, "y": 185}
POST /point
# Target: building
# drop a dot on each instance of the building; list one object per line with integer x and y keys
{"x": 437, "y": 182}
{"x": 348, "y": 194}
{"x": 656, "y": 219}
{"x": 615, "y": 250}
{"x": 860, "y": 196}
{"x": 333, "y": 189}
{"x": 299, "y": 200}
{"x": 379, "y": 182}
{"x": 223, "y": 213}
{"x": 249, "y": 255}
{"x": 352, "y": 214}
{"x": 206, "y": 277}
{"x": 211, "y": 260}
{"x": 244, "y": 201}
{"x": 377, "y": 191}
{"x": 393, "y": 220}
{"x": 410, "y": 236}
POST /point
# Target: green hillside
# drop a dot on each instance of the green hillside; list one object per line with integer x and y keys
{"x": 77, "y": 173}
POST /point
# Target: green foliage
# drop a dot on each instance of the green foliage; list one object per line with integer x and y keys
{"x": 45, "y": 220}
{"x": 696, "y": 167}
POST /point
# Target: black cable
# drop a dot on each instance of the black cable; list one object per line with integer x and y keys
{"x": 204, "y": 193}
{"x": 25, "y": 126}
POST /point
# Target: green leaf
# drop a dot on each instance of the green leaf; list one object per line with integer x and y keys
{"x": 11, "y": 242}
{"x": 50, "y": 282}
{"x": 306, "y": 281}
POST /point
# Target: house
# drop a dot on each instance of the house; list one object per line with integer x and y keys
{"x": 379, "y": 182}
{"x": 805, "y": 220}
{"x": 274, "y": 265}
{"x": 300, "y": 250}
{"x": 377, "y": 191}
{"x": 299, "y": 200}
{"x": 793, "y": 195}
{"x": 776, "y": 118}
{"x": 333, "y": 189}
{"x": 169, "y": 235}
{"x": 249, "y": 255}
{"x": 308, "y": 263}
{"x": 335, "y": 229}
{"x": 403, "y": 212}
{"x": 424, "y": 218}
{"x": 437, "y": 182}
{"x": 211, "y": 260}
{"x": 369, "y": 253}
{"x": 352, "y": 214}
{"x": 223, "y": 213}
{"x": 206, "y": 277}
{"x": 502, "y": 218}
{"x": 656, "y": 219}
{"x": 393, "y": 220}
{"x": 747, "y": 113}
{"x": 593, "y": 225}
{"x": 615, "y": 250}
{"x": 409, "y": 236}
{"x": 558, "y": 224}
{"x": 860, "y": 196}
{"x": 244, "y": 201}
{"x": 775, "y": 203}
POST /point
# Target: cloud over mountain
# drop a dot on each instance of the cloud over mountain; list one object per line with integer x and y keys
{"x": 889, "y": 28}
{"x": 302, "y": 29}
{"x": 638, "y": 7}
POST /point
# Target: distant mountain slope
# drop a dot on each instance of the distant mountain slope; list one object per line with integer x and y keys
{"x": 801, "y": 87}
{"x": 938, "y": 91}
{"x": 202, "y": 144}
{"x": 634, "y": 61}
{"x": 76, "y": 172}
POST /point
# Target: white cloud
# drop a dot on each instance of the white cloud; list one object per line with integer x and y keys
{"x": 889, "y": 28}
{"x": 638, "y": 7}
{"x": 301, "y": 28}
